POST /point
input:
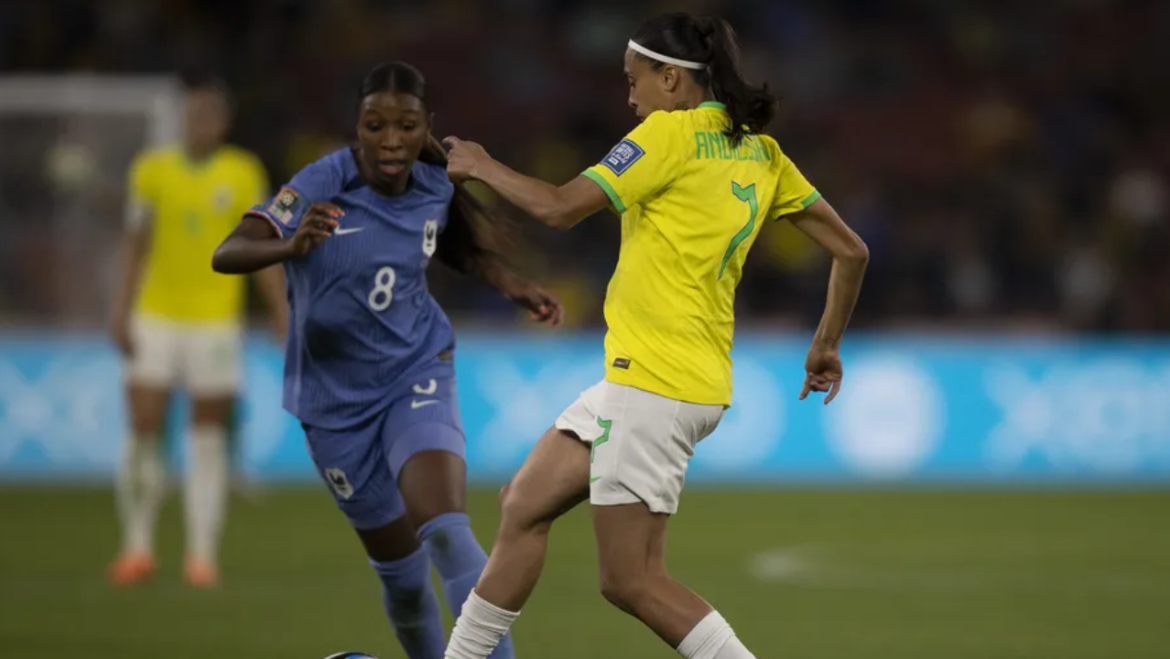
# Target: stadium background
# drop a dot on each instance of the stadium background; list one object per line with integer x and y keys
{"x": 991, "y": 482}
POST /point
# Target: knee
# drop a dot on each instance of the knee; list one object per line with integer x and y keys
{"x": 624, "y": 590}
{"x": 424, "y": 513}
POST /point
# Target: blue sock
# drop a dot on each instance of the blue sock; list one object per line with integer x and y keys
{"x": 459, "y": 558}
{"x": 412, "y": 606}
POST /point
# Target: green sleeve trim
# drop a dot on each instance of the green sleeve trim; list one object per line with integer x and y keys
{"x": 606, "y": 188}
{"x": 804, "y": 204}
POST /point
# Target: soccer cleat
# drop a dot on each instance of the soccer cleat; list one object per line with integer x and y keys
{"x": 132, "y": 569}
{"x": 200, "y": 575}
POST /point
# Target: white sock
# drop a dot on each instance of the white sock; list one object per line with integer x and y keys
{"x": 479, "y": 629}
{"x": 139, "y": 493}
{"x": 713, "y": 638}
{"x": 206, "y": 492}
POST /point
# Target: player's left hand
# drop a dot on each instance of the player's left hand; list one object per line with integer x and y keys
{"x": 542, "y": 306}
{"x": 823, "y": 372}
{"x": 464, "y": 158}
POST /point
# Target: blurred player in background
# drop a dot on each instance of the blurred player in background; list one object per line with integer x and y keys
{"x": 180, "y": 326}
{"x": 369, "y": 369}
{"x": 694, "y": 182}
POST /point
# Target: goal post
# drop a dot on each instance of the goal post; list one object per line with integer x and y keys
{"x": 68, "y": 143}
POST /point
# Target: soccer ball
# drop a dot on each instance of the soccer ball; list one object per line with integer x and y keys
{"x": 351, "y": 655}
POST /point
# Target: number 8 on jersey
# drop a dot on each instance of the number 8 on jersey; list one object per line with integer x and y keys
{"x": 382, "y": 295}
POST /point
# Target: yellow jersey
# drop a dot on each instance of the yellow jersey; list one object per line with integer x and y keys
{"x": 191, "y": 208}
{"x": 691, "y": 207}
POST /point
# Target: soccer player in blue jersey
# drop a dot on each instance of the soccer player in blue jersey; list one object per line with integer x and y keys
{"x": 369, "y": 369}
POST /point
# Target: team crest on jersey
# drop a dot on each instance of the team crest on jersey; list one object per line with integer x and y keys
{"x": 430, "y": 237}
{"x": 339, "y": 482}
{"x": 623, "y": 156}
{"x": 281, "y": 208}
{"x": 223, "y": 199}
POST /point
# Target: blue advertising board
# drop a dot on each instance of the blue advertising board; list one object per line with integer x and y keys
{"x": 970, "y": 410}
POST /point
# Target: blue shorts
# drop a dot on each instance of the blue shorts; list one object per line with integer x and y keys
{"x": 361, "y": 464}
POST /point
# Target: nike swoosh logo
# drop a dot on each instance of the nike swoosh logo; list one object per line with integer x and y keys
{"x": 595, "y": 479}
{"x": 415, "y": 404}
{"x": 342, "y": 232}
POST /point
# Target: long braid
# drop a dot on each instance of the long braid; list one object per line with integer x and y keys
{"x": 474, "y": 236}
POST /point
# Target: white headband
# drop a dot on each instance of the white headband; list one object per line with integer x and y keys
{"x": 635, "y": 46}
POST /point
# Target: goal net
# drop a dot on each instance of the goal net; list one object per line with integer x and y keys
{"x": 67, "y": 144}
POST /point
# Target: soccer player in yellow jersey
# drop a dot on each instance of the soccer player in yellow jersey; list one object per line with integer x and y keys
{"x": 178, "y": 325}
{"x": 694, "y": 184}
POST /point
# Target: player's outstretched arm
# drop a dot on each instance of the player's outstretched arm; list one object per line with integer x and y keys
{"x": 850, "y": 258}
{"x": 255, "y": 243}
{"x": 559, "y": 207}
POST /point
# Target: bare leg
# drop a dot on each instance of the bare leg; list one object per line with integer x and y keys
{"x": 631, "y": 543}
{"x": 553, "y": 480}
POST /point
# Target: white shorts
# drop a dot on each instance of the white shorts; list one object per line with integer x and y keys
{"x": 641, "y": 443}
{"x": 202, "y": 359}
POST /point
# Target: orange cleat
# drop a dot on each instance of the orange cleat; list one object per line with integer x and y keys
{"x": 200, "y": 575}
{"x": 132, "y": 569}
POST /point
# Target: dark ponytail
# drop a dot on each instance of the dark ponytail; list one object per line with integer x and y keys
{"x": 711, "y": 41}
{"x": 474, "y": 237}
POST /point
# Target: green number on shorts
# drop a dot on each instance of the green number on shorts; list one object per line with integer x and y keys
{"x": 748, "y": 196}
{"x": 605, "y": 426}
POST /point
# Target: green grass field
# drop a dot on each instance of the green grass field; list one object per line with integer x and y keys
{"x": 801, "y": 573}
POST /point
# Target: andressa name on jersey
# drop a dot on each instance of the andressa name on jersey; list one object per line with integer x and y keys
{"x": 713, "y": 145}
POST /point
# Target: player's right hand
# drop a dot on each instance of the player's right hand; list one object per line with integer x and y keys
{"x": 823, "y": 372}
{"x": 464, "y": 159}
{"x": 316, "y": 226}
{"x": 121, "y": 335}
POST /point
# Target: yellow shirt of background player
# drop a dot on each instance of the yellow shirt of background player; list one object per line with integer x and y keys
{"x": 691, "y": 207}
{"x": 191, "y": 208}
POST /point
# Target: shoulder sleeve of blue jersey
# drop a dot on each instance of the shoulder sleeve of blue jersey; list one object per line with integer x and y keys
{"x": 320, "y": 181}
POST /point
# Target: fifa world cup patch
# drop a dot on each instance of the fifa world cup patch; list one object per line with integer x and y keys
{"x": 625, "y": 154}
{"x": 281, "y": 208}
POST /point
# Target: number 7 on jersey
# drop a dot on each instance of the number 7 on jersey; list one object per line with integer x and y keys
{"x": 748, "y": 196}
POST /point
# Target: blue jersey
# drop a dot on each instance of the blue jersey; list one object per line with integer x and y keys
{"x": 362, "y": 320}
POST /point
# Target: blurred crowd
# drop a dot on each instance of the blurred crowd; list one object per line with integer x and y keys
{"x": 1006, "y": 162}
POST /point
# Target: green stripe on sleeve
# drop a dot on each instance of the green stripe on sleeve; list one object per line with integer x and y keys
{"x": 811, "y": 199}
{"x": 607, "y": 188}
